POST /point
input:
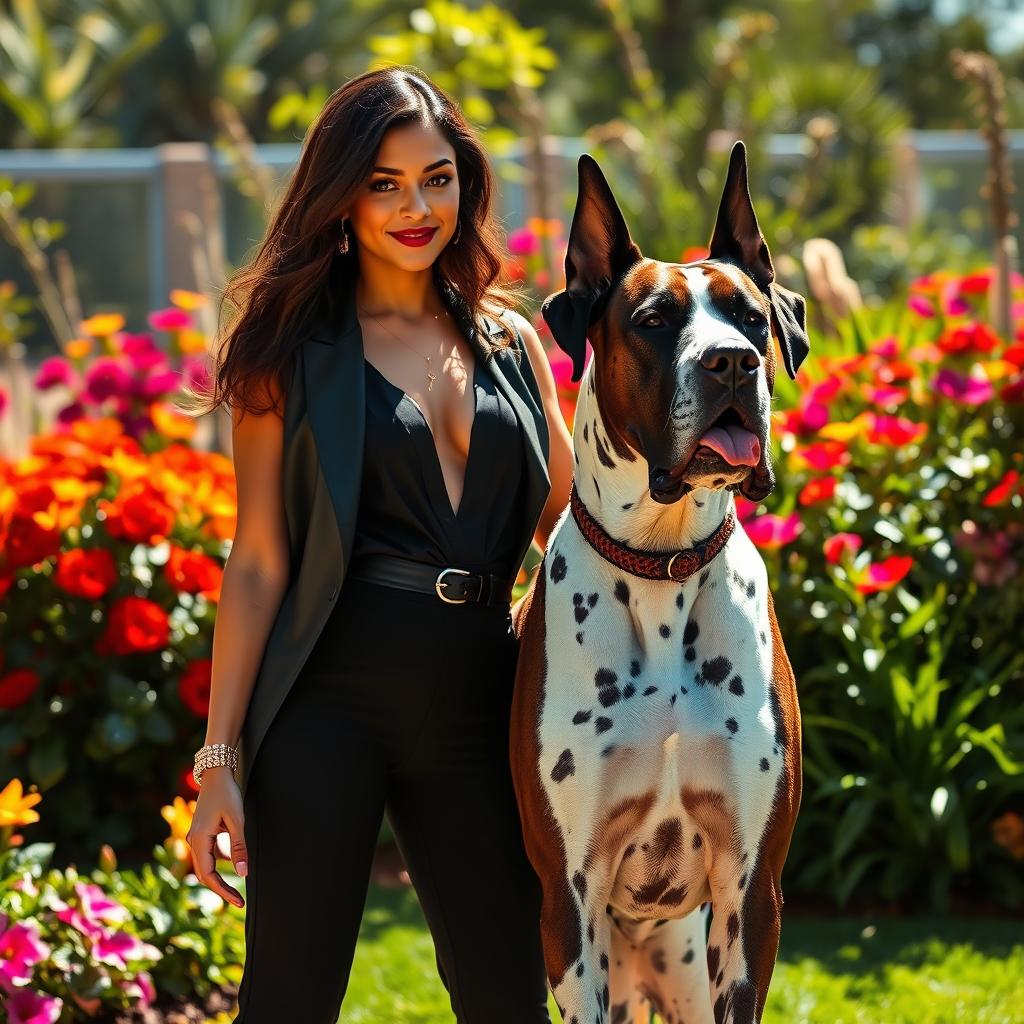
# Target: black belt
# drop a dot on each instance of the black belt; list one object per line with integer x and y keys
{"x": 454, "y": 586}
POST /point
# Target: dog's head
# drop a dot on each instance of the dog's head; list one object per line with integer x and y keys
{"x": 684, "y": 364}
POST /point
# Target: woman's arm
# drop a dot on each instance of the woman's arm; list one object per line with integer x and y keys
{"x": 560, "y": 454}
{"x": 255, "y": 576}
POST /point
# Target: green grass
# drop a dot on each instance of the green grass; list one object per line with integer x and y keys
{"x": 831, "y": 971}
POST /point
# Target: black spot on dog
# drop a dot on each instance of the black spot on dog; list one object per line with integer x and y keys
{"x": 732, "y": 927}
{"x": 664, "y": 629}
{"x": 604, "y": 961}
{"x": 703, "y": 578}
{"x": 628, "y": 505}
{"x": 732, "y": 725}
{"x": 673, "y": 897}
{"x": 601, "y": 724}
{"x": 579, "y": 971}
{"x": 596, "y": 486}
{"x": 673, "y": 700}
{"x": 634, "y": 668}
{"x": 622, "y": 591}
{"x": 691, "y": 632}
{"x": 564, "y": 766}
{"x": 586, "y": 427}
{"x": 591, "y": 599}
{"x": 602, "y": 453}
{"x": 764, "y": 764}
{"x": 751, "y": 589}
{"x": 629, "y": 851}
{"x": 558, "y": 569}
{"x": 680, "y": 599}
{"x": 628, "y": 690}
{"x": 579, "y": 638}
{"x": 683, "y": 690}
{"x": 658, "y": 960}
{"x": 580, "y": 612}
{"x": 714, "y": 956}
{"x": 697, "y": 841}
{"x": 736, "y": 686}
{"x": 620, "y": 1013}
{"x": 691, "y": 653}
{"x": 608, "y": 750}
{"x": 764, "y": 639}
{"x": 781, "y": 739}
{"x": 590, "y": 932}
{"x": 579, "y": 883}
{"x": 650, "y": 690}
{"x": 721, "y": 975}
{"x": 713, "y": 671}
{"x": 607, "y": 692}
{"x": 580, "y": 717}
{"x": 742, "y": 881}
{"x": 688, "y": 957}
{"x": 604, "y": 997}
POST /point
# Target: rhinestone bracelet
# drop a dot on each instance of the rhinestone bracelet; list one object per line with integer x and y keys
{"x": 212, "y": 756}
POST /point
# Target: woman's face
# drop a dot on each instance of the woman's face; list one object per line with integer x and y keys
{"x": 414, "y": 186}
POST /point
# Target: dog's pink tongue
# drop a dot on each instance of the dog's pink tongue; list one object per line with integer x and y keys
{"x": 737, "y": 445}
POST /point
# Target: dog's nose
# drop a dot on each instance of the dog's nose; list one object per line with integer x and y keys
{"x": 730, "y": 363}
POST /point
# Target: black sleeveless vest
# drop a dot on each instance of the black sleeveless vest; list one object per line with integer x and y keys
{"x": 324, "y": 433}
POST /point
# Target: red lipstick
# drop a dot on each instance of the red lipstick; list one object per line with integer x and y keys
{"x": 414, "y": 236}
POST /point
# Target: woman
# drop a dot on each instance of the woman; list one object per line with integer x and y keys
{"x": 383, "y": 243}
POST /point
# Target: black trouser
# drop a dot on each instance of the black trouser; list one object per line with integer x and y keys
{"x": 402, "y": 706}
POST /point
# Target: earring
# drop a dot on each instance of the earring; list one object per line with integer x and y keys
{"x": 458, "y": 233}
{"x": 343, "y": 244}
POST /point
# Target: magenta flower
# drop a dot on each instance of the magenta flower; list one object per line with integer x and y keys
{"x": 965, "y": 390}
{"x": 771, "y": 531}
{"x": 884, "y": 575}
{"x": 70, "y": 413}
{"x": 3, "y": 401}
{"x": 24, "y": 1006}
{"x": 93, "y": 907}
{"x": 142, "y": 352}
{"x": 157, "y": 384}
{"x": 117, "y": 948}
{"x": 522, "y": 242}
{"x": 196, "y": 372}
{"x": 53, "y": 371}
{"x": 920, "y": 305}
{"x": 887, "y": 348}
{"x": 953, "y": 304}
{"x": 839, "y": 545}
{"x": 171, "y": 319}
{"x": 140, "y": 987}
{"x": 20, "y": 948}
{"x": 106, "y": 378}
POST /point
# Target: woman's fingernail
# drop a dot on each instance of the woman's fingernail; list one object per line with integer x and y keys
{"x": 243, "y": 868}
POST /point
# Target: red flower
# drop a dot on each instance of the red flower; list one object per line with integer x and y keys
{"x": 134, "y": 625}
{"x": 1003, "y": 491}
{"x": 823, "y": 455}
{"x": 839, "y": 545}
{"x": 771, "y": 531}
{"x": 17, "y": 686}
{"x": 884, "y": 575}
{"x": 86, "y": 572}
{"x": 141, "y": 516}
{"x": 822, "y": 488}
{"x": 194, "y": 686}
{"x": 970, "y": 337}
{"x": 895, "y": 430}
{"x": 192, "y": 572}
{"x": 1014, "y": 354}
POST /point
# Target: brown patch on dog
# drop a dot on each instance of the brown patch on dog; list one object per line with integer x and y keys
{"x": 710, "y": 810}
{"x": 561, "y": 928}
{"x": 621, "y": 821}
{"x": 762, "y": 904}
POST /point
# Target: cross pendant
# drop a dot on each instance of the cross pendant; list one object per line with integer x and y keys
{"x": 431, "y": 377}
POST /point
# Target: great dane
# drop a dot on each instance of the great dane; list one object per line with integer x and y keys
{"x": 655, "y": 736}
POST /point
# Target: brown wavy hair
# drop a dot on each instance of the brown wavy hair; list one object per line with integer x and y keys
{"x": 298, "y": 277}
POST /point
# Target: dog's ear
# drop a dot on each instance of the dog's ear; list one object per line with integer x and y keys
{"x": 599, "y": 251}
{"x": 790, "y": 326}
{"x": 737, "y": 239}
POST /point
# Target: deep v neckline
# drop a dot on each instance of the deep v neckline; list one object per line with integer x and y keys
{"x": 452, "y": 512}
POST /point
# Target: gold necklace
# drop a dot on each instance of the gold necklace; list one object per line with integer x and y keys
{"x": 431, "y": 377}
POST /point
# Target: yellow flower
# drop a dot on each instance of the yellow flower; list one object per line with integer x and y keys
{"x": 191, "y": 343}
{"x": 102, "y": 325}
{"x": 171, "y": 423}
{"x": 15, "y": 807}
{"x": 187, "y": 300}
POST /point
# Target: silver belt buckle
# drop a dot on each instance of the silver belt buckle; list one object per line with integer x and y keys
{"x": 438, "y": 584}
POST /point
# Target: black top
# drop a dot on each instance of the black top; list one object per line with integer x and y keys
{"x": 404, "y": 508}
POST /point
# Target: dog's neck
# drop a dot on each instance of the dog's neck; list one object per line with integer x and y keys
{"x": 621, "y": 500}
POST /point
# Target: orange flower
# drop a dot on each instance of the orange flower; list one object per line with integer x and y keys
{"x": 78, "y": 348}
{"x": 179, "y": 816}
{"x": 171, "y": 423}
{"x": 192, "y": 572}
{"x": 822, "y": 488}
{"x": 15, "y": 806}
{"x": 187, "y": 300}
{"x": 86, "y": 572}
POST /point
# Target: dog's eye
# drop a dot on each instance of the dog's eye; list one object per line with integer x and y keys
{"x": 651, "y": 320}
{"x": 755, "y": 319}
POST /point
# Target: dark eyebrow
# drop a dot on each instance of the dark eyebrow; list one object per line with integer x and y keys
{"x": 429, "y": 167}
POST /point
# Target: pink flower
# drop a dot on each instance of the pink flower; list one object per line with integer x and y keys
{"x": 952, "y": 302}
{"x": 887, "y": 348}
{"x": 745, "y": 508}
{"x": 839, "y": 545}
{"x": 53, "y": 371}
{"x": 171, "y": 319}
{"x": 886, "y": 395}
{"x": 106, "y": 378}
{"x": 93, "y": 906}
{"x": 24, "y": 1006}
{"x": 70, "y": 413}
{"x": 140, "y": 987}
{"x": 158, "y": 384}
{"x": 884, "y": 575}
{"x": 117, "y": 948}
{"x": 894, "y": 430}
{"x": 771, "y": 531}
{"x": 523, "y": 242}
{"x": 142, "y": 353}
{"x": 965, "y": 390}
{"x": 20, "y": 948}
{"x": 196, "y": 372}
{"x": 920, "y": 305}
{"x": 3, "y": 401}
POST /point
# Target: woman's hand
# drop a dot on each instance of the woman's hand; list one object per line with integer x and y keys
{"x": 218, "y": 809}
